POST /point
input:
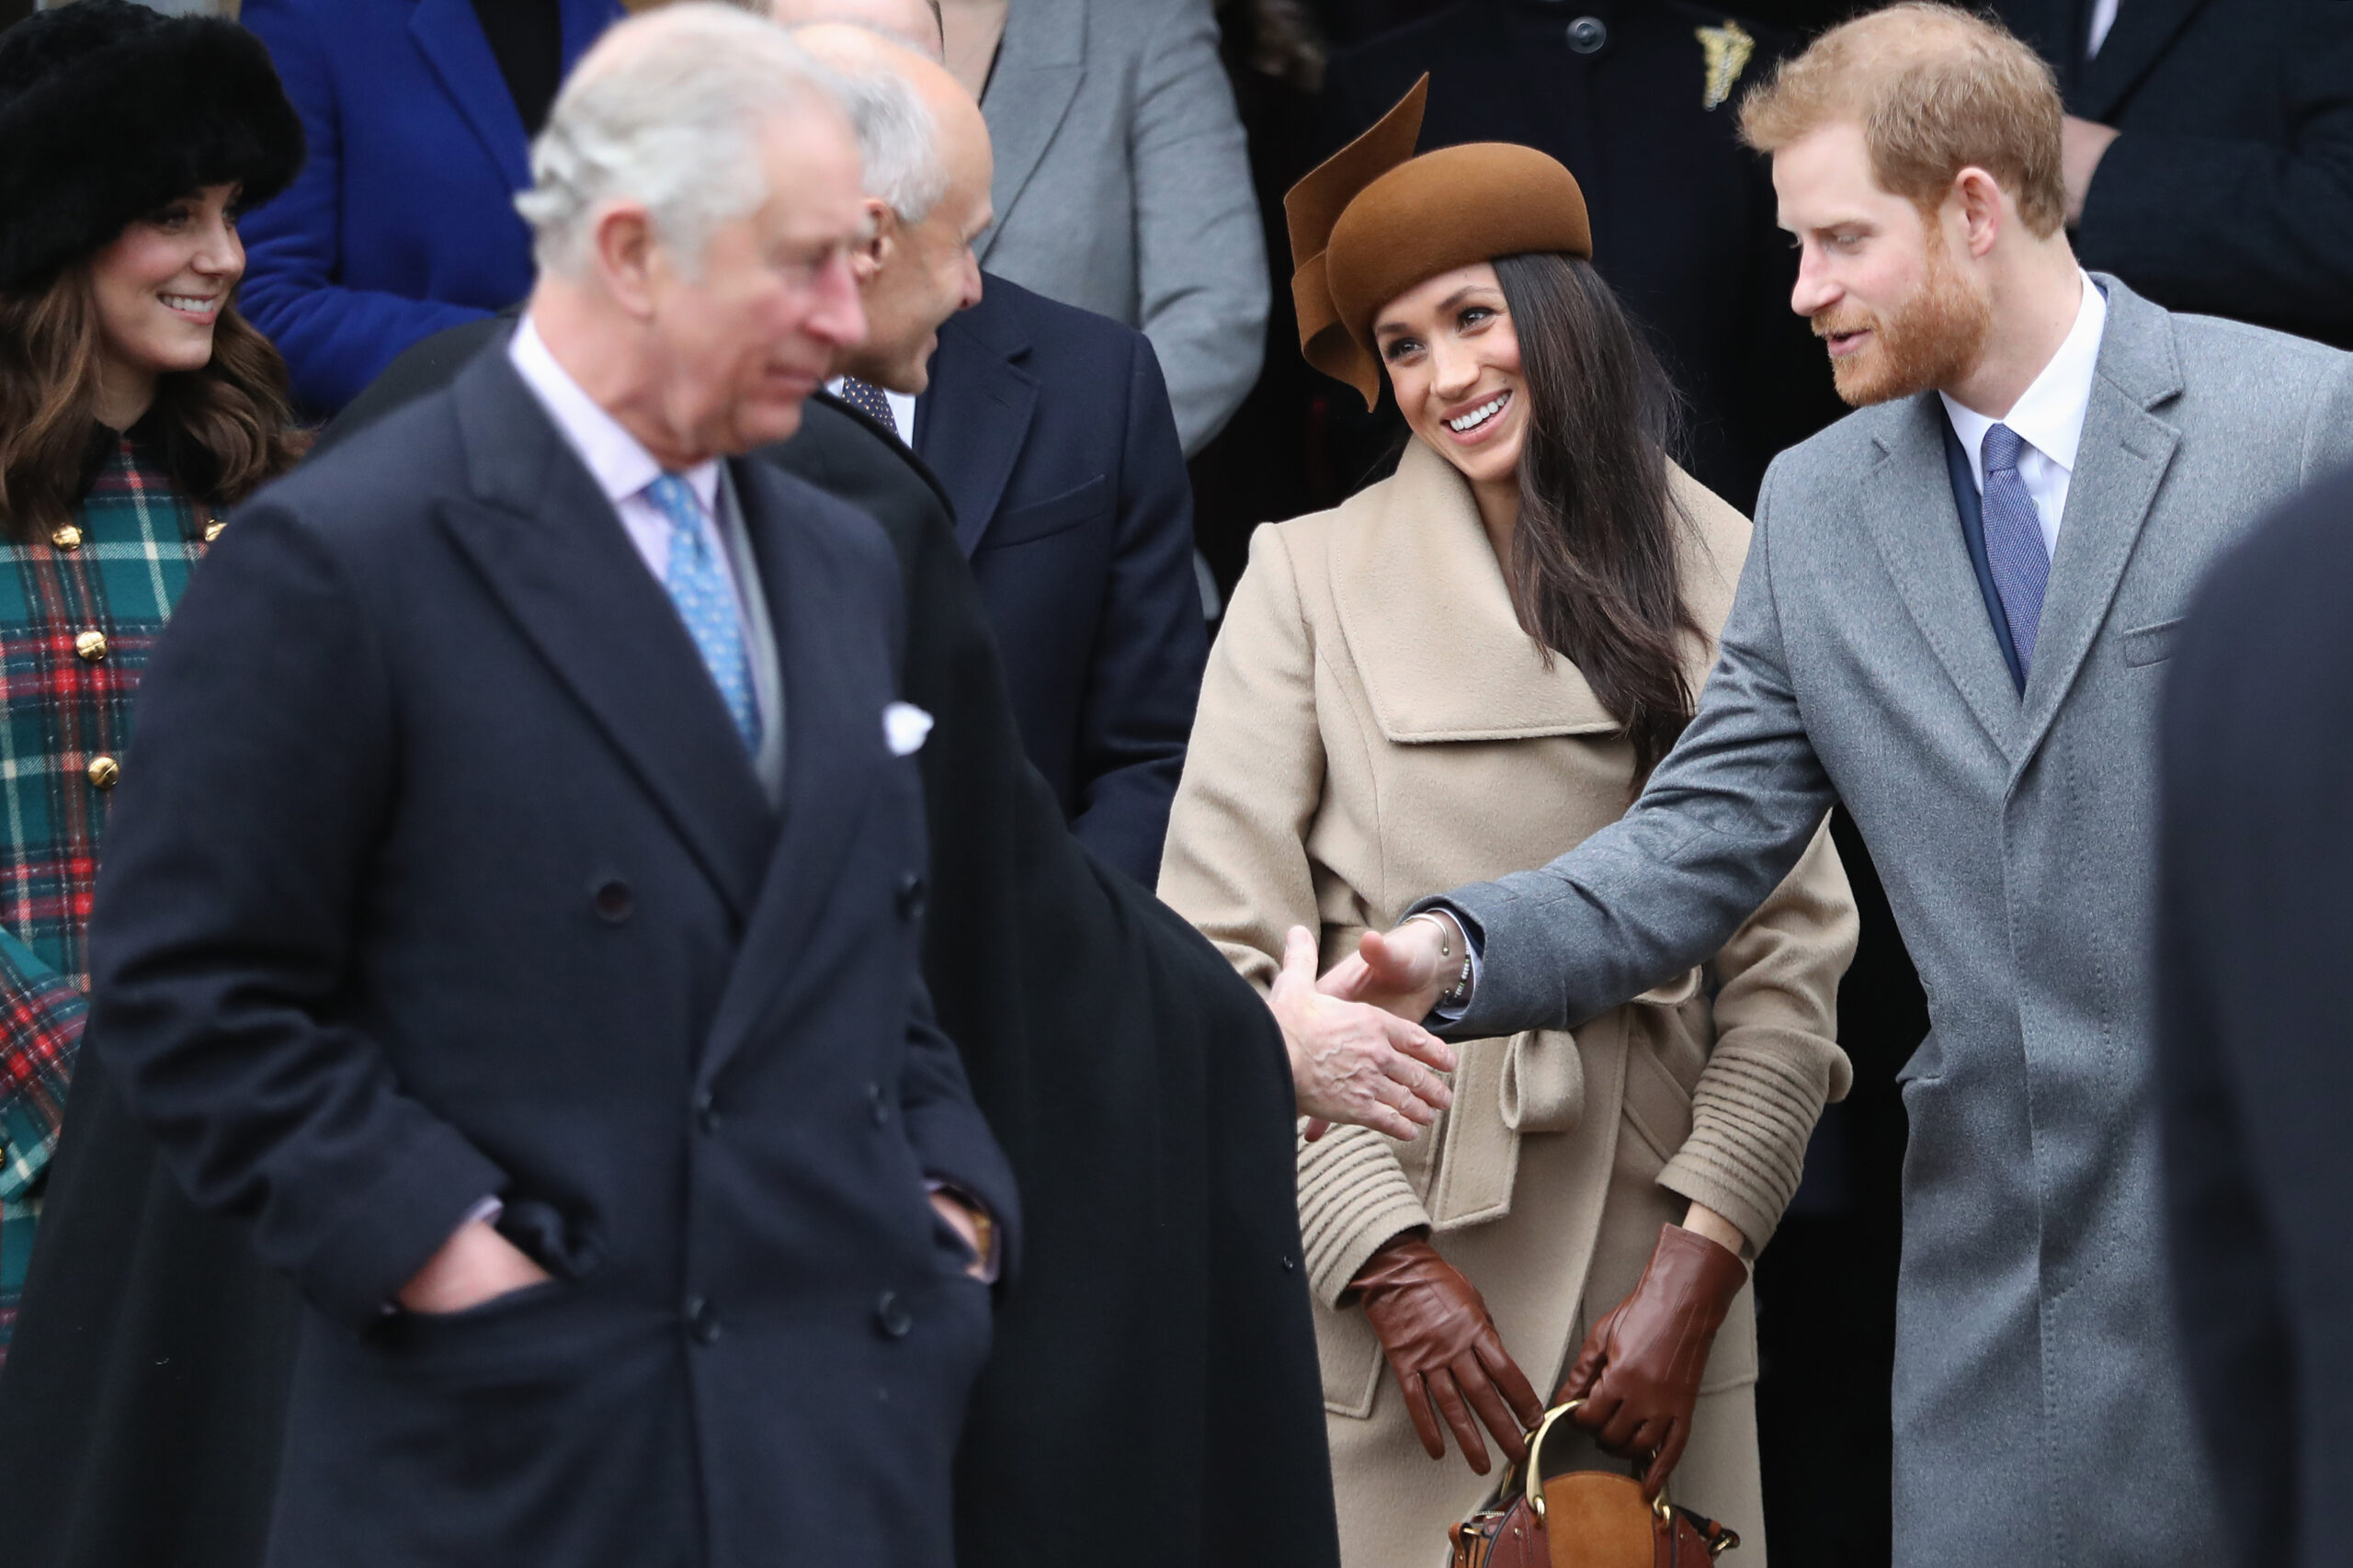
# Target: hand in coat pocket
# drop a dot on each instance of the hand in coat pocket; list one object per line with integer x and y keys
{"x": 474, "y": 1266}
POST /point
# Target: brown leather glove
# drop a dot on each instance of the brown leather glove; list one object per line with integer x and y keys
{"x": 1445, "y": 1350}
{"x": 1639, "y": 1373}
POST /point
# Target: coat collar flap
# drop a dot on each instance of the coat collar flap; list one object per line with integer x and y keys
{"x": 974, "y": 441}
{"x": 547, "y": 542}
{"x": 834, "y": 745}
{"x": 1910, "y": 511}
{"x": 452, "y": 40}
{"x": 1426, "y": 616}
{"x": 2120, "y": 464}
{"x": 2141, "y": 35}
{"x": 1039, "y": 64}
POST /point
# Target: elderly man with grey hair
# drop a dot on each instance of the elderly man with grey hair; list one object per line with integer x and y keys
{"x": 518, "y": 894}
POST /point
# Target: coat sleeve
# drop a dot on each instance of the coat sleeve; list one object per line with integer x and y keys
{"x": 951, "y": 1138}
{"x": 41, "y": 1026}
{"x": 222, "y": 941}
{"x": 1725, "y": 816}
{"x": 2256, "y": 229}
{"x": 336, "y": 340}
{"x": 1144, "y": 673}
{"x": 1777, "y": 1058}
{"x": 1237, "y": 868}
{"x": 1201, "y": 256}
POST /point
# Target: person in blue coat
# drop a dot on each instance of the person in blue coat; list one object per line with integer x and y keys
{"x": 419, "y": 115}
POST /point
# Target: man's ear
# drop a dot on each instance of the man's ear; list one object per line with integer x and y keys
{"x": 626, "y": 256}
{"x": 1979, "y": 198}
{"x": 877, "y": 243}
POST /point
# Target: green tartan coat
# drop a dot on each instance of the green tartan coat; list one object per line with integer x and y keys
{"x": 80, "y": 610}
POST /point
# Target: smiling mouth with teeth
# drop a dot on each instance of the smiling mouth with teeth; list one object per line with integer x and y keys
{"x": 193, "y": 303}
{"x": 1465, "y": 424}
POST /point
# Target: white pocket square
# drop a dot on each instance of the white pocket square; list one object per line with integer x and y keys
{"x": 904, "y": 725}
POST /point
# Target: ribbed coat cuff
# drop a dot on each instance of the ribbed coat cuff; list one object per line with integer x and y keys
{"x": 1353, "y": 1195}
{"x": 1751, "y": 1119}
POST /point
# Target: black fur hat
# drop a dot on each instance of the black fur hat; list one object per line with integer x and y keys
{"x": 110, "y": 110}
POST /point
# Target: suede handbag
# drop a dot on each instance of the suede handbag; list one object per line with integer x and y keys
{"x": 1582, "y": 1518}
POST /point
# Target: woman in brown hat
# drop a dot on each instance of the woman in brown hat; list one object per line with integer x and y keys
{"x": 1466, "y": 669}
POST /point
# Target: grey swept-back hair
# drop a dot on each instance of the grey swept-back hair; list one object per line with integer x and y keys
{"x": 897, "y": 137}
{"x": 667, "y": 110}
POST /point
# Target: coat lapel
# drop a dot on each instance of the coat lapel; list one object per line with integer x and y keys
{"x": 545, "y": 538}
{"x": 1038, "y": 66}
{"x": 453, "y": 44}
{"x": 2143, "y": 30}
{"x": 833, "y": 746}
{"x": 1428, "y": 621}
{"x": 2120, "y": 464}
{"x": 1909, "y": 510}
{"x": 972, "y": 425}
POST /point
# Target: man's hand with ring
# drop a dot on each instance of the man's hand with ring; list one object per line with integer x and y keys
{"x": 1353, "y": 1063}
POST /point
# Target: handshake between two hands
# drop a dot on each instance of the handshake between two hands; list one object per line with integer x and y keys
{"x": 1358, "y": 1054}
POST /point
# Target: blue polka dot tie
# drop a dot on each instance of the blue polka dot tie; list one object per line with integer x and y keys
{"x": 869, "y": 400}
{"x": 2013, "y": 546}
{"x": 706, "y": 602}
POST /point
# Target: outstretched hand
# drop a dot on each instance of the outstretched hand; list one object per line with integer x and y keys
{"x": 1400, "y": 971}
{"x": 1353, "y": 1063}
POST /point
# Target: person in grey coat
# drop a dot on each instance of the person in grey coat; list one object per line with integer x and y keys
{"x": 1123, "y": 183}
{"x": 1955, "y": 617}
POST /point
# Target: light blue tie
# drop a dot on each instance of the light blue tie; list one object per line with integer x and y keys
{"x": 2014, "y": 547}
{"x": 707, "y": 603}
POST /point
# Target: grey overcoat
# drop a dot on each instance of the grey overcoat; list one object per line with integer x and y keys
{"x": 1123, "y": 188}
{"x": 2041, "y": 1414}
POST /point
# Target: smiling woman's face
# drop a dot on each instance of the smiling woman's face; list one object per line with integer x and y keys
{"x": 1453, "y": 361}
{"x": 164, "y": 282}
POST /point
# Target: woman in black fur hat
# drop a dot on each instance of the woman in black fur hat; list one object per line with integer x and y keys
{"x": 134, "y": 404}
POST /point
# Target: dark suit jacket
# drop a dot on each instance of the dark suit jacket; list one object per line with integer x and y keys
{"x": 2255, "y": 1082}
{"x": 1049, "y": 428}
{"x": 440, "y": 871}
{"x": 1682, "y": 214}
{"x": 1138, "y": 1086}
{"x": 402, "y": 221}
{"x": 2231, "y": 189}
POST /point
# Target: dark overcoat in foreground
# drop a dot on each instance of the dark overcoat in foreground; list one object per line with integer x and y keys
{"x": 2255, "y": 1078}
{"x": 1159, "y": 1337}
{"x": 440, "y": 871}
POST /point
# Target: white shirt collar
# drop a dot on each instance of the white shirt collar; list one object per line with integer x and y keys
{"x": 617, "y": 460}
{"x": 2049, "y": 415}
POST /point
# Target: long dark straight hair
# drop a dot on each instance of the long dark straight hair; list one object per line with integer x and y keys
{"x": 1596, "y": 569}
{"x": 226, "y": 428}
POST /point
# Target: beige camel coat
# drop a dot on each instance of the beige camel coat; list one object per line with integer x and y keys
{"x": 1375, "y": 726}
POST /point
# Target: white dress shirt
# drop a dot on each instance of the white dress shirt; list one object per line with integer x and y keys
{"x": 617, "y": 460}
{"x": 2048, "y": 417}
{"x": 2103, "y": 18}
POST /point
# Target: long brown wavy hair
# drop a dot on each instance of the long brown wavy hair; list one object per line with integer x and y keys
{"x": 1595, "y": 574}
{"x": 226, "y": 428}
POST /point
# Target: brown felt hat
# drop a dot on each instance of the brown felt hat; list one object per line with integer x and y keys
{"x": 1373, "y": 220}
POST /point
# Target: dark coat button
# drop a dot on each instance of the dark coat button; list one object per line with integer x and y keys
{"x": 890, "y": 1315}
{"x": 703, "y": 1320}
{"x": 911, "y": 896}
{"x": 613, "y": 899}
{"x": 1588, "y": 34}
{"x": 879, "y": 1102}
{"x": 707, "y": 1115}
